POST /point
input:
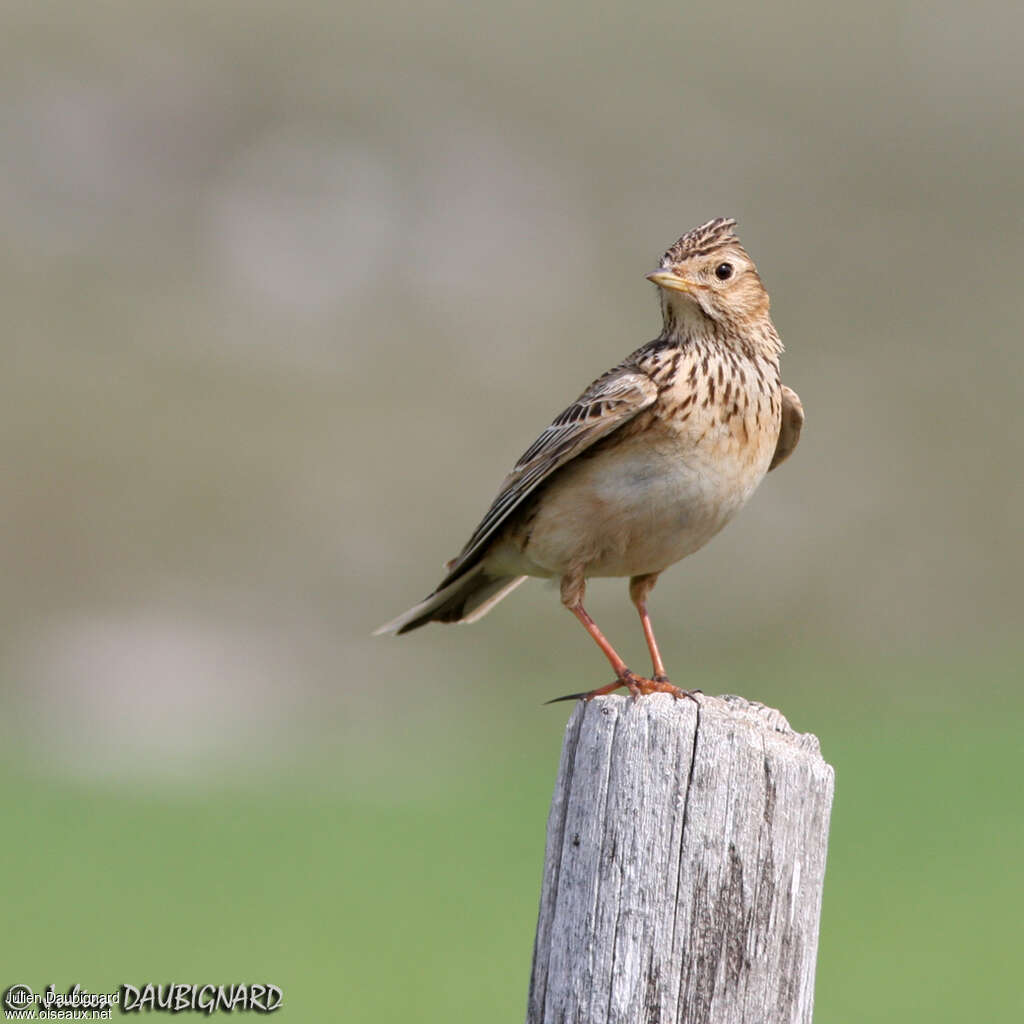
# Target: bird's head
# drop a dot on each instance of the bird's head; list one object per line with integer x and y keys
{"x": 708, "y": 276}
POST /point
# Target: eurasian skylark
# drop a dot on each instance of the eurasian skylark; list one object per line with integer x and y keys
{"x": 648, "y": 464}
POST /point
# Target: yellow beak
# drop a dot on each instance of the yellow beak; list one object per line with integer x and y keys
{"x": 670, "y": 280}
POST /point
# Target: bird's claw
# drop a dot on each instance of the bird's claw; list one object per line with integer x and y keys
{"x": 569, "y": 696}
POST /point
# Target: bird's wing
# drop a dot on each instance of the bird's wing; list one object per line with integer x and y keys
{"x": 608, "y": 403}
{"x": 792, "y": 424}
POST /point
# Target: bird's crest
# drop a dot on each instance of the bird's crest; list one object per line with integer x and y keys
{"x": 708, "y": 237}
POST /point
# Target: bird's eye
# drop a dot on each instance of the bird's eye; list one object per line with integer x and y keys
{"x": 723, "y": 271}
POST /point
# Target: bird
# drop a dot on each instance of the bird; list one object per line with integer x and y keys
{"x": 647, "y": 465}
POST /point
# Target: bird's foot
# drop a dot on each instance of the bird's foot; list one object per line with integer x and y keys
{"x": 638, "y": 686}
{"x": 641, "y": 687}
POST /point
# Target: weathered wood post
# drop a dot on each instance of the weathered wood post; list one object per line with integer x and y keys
{"x": 684, "y": 867}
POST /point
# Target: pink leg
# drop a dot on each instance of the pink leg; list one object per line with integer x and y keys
{"x": 639, "y": 588}
{"x": 572, "y": 596}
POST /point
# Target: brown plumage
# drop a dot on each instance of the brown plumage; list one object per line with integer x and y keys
{"x": 649, "y": 463}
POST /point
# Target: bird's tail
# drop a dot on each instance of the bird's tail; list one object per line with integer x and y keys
{"x": 466, "y": 599}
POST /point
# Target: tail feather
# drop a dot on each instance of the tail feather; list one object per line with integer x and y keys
{"x": 485, "y": 598}
{"x": 466, "y": 599}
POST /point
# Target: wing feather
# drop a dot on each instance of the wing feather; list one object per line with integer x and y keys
{"x": 607, "y": 404}
{"x": 792, "y": 424}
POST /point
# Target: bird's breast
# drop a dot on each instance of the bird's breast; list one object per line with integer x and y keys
{"x": 648, "y": 496}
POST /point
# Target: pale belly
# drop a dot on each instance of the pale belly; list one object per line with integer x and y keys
{"x": 634, "y": 509}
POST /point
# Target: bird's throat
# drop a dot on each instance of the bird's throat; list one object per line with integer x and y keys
{"x": 683, "y": 318}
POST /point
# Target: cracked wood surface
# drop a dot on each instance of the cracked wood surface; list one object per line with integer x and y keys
{"x": 684, "y": 867}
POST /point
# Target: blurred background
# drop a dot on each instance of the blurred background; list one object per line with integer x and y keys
{"x": 287, "y": 288}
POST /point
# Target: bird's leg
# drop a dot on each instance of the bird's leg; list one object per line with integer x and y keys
{"x": 622, "y": 673}
{"x": 639, "y": 588}
{"x": 573, "y": 587}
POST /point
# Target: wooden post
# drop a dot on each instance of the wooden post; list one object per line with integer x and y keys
{"x": 684, "y": 867}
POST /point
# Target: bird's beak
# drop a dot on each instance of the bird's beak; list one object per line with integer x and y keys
{"x": 670, "y": 280}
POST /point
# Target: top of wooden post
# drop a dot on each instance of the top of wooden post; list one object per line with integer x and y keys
{"x": 684, "y": 866}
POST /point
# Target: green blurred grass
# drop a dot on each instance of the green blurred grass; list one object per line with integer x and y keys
{"x": 421, "y": 906}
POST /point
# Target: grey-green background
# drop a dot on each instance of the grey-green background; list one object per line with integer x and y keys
{"x": 286, "y": 288}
